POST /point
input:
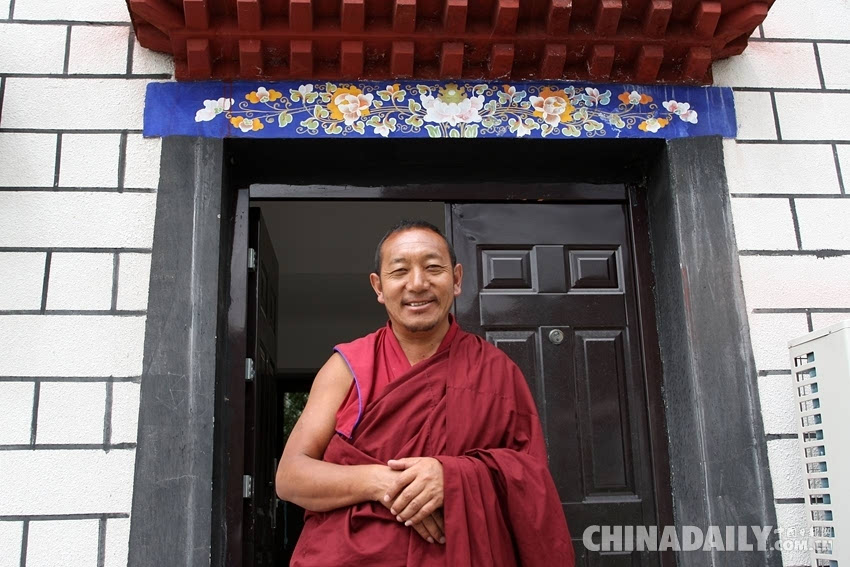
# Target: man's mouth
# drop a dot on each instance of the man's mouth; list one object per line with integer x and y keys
{"x": 418, "y": 303}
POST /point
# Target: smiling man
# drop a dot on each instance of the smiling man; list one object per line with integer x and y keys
{"x": 420, "y": 443}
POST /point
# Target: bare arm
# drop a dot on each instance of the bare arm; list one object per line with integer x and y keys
{"x": 302, "y": 477}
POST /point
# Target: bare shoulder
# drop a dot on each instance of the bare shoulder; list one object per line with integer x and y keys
{"x": 315, "y": 427}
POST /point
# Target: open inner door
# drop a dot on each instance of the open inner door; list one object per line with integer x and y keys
{"x": 551, "y": 284}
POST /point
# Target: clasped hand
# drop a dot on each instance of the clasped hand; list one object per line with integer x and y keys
{"x": 415, "y": 497}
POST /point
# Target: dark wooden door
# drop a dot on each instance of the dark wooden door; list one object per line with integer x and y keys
{"x": 262, "y": 417}
{"x": 552, "y": 285}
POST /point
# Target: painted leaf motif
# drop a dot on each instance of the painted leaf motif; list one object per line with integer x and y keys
{"x": 479, "y": 89}
{"x": 310, "y": 124}
{"x": 374, "y": 121}
{"x": 311, "y": 97}
{"x": 593, "y": 125}
{"x": 454, "y": 133}
{"x": 283, "y": 119}
{"x": 546, "y": 129}
{"x": 471, "y": 131}
{"x": 332, "y": 129}
{"x": 414, "y": 121}
{"x": 490, "y": 107}
{"x": 326, "y": 97}
{"x": 490, "y": 121}
{"x": 358, "y": 127}
{"x": 504, "y": 98}
{"x": 571, "y": 131}
{"x": 423, "y": 89}
{"x": 414, "y": 106}
{"x": 330, "y": 87}
{"x": 377, "y": 103}
{"x": 433, "y": 131}
{"x": 294, "y": 95}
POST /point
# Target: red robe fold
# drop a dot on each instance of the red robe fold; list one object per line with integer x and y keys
{"x": 468, "y": 406}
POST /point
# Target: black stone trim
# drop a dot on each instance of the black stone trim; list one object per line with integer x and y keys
{"x": 818, "y": 253}
{"x": 76, "y": 190}
{"x": 775, "y": 115}
{"x": 781, "y": 501}
{"x": 172, "y": 497}
{"x": 36, "y": 398}
{"x": 801, "y": 310}
{"x": 838, "y": 169}
{"x": 44, "y": 286}
{"x": 2, "y": 94}
{"x": 795, "y": 219}
{"x": 58, "y": 164}
{"x": 712, "y": 401}
{"x": 148, "y": 76}
{"x": 68, "y": 447}
{"x": 105, "y": 312}
{"x": 789, "y": 195}
{"x": 11, "y": 9}
{"x": 72, "y": 249}
{"x": 81, "y": 23}
{"x": 780, "y": 436}
{"x": 69, "y": 131}
{"x": 101, "y": 542}
{"x": 800, "y": 90}
{"x": 67, "y": 61}
{"x": 776, "y": 372}
{"x": 25, "y": 535}
{"x": 794, "y": 142}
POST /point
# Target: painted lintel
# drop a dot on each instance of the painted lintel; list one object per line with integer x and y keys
{"x": 422, "y": 109}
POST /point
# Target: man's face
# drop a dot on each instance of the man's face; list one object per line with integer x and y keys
{"x": 417, "y": 283}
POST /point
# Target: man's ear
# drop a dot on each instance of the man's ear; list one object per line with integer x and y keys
{"x": 375, "y": 280}
{"x": 458, "y": 273}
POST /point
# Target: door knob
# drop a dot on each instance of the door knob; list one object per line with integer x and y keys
{"x": 556, "y": 336}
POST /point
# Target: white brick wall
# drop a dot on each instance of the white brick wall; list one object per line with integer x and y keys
{"x": 789, "y": 176}
{"x": 73, "y": 207}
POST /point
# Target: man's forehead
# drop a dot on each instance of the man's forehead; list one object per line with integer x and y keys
{"x": 414, "y": 242}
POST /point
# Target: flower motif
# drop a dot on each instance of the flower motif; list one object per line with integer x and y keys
{"x": 349, "y": 104}
{"x": 213, "y": 108}
{"x": 653, "y": 124}
{"x": 247, "y": 124}
{"x": 616, "y": 121}
{"x": 510, "y": 94}
{"x": 634, "y": 98}
{"x": 392, "y": 92}
{"x": 452, "y": 106}
{"x": 689, "y": 115}
{"x": 592, "y": 97}
{"x": 385, "y": 127}
{"x": 304, "y": 92}
{"x": 552, "y": 106}
{"x": 522, "y": 128}
{"x": 263, "y": 95}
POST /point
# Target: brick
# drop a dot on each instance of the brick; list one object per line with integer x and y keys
{"x": 763, "y": 224}
{"x": 11, "y": 538}
{"x": 75, "y": 104}
{"x": 786, "y": 468}
{"x": 16, "y": 399}
{"x": 795, "y": 281}
{"x": 770, "y": 333}
{"x": 80, "y": 281}
{"x": 754, "y": 113}
{"x": 133, "y": 281}
{"x": 822, "y": 116}
{"x": 778, "y": 408}
{"x": 142, "y": 165}
{"x": 30, "y": 159}
{"x": 780, "y": 168}
{"x": 66, "y": 482}
{"x": 32, "y": 49}
{"x": 821, "y": 320}
{"x": 833, "y": 60}
{"x": 149, "y": 62}
{"x": 117, "y": 542}
{"x": 125, "y": 412}
{"x": 98, "y": 50}
{"x": 75, "y": 541}
{"x": 823, "y": 223}
{"x": 85, "y": 220}
{"x": 793, "y": 517}
{"x": 85, "y": 11}
{"x": 795, "y": 19}
{"x": 71, "y": 412}
{"x": 90, "y": 345}
{"x": 22, "y": 281}
{"x": 89, "y": 160}
{"x": 758, "y": 65}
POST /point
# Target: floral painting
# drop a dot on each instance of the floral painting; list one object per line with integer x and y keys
{"x": 455, "y": 110}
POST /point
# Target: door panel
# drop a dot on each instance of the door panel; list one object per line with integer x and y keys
{"x": 552, "y": 285}
{"x": 262, "y": 416}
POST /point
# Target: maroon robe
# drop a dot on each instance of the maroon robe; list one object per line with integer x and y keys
{"x": 468, "y": 406}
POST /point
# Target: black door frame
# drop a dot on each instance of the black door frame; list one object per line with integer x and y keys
{"x": 711, "y": 404}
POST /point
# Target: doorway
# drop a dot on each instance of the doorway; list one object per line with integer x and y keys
{"x": 552, "y": 284}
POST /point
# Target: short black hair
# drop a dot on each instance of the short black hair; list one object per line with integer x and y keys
{"x": 405, "y": 224}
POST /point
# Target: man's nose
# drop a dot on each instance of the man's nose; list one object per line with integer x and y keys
{"x": 418, "y": 279}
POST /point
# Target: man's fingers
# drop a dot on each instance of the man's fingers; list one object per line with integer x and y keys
{"x": 438, "y": 518}
{"x": 423, "y": 532}
{"x": 400, "y": 484}
{"x": 402, "y": 464}
{"x": 432, "y": 528}
{"x": 414, "y": 513}
{"x": 404, "y": 500}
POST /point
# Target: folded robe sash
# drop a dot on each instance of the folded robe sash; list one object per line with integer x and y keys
{"x": 469, "y": 407}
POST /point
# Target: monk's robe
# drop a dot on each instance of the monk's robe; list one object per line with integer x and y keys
{"x": 468, "y": 406}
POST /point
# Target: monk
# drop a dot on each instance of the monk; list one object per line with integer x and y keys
{"x": 420, "y": 444}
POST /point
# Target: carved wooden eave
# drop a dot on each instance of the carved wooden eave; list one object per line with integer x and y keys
{"x": 626, "y": 41}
